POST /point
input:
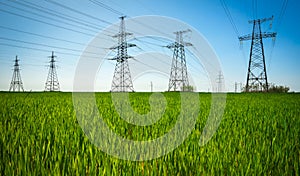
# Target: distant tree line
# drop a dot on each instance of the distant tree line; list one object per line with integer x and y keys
{"x": 278, "y": 89}
{"x": 272, "y": 88}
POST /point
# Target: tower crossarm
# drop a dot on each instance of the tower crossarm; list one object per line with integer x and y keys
{"x": 182, "y": 32}
{"x": 127, "y": 45}
{"x": 122, "y": 34}
{"x": 257, "y": 36}
{"x": 261, "y": 20}
{"x": 120, "y": 59}
{"x": 173, "y": 45}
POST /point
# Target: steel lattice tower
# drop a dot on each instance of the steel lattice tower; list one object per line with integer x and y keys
{"x": 52, "y": 83}
{"x": 122, "y": 78}
{"x": 178, "y": 77}
{"x": 220, "y": 82}
{"x": 16, "y": 82}
{"x": 257, "y": 79}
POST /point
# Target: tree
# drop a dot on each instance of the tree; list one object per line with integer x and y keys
{"x": 188, "y": 88}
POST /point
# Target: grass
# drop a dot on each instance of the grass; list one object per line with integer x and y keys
{"x": 259, "y": 134}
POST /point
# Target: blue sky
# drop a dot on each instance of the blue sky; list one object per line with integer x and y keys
{"x": 208, "y": 17}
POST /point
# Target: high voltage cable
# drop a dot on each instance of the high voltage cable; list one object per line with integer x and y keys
{"x": 190, "y": 65}
{"x": 81, "y": 13}
{"x": 254, "y": 8}
{"x": 152, "y": 55}
{"x": 122, "y": 14}
{"x": 57, "y": 14}
{"x": 74, "y": 10}
{"x": 151, "y": 43}
{"x": 282, "y": 12}
{"x": 207, "y": 60}
{"x": 34, "y": 19}
{"x": 150, "y": 27}
{"x": 50, "y": 24}
{"x": 37, "y": 49}
{"x": 47, "y": 51}
{"x": 107, "y": 7}
{"x": 225, "y": 7}
{"x": 44, "y": 45}
{"x": 48, "y": 37}
{"x": 49, "y": 18}
{"x": 168, "y": 63}
{"x": 78, "y": 19}
{"x": 196, "y": 59}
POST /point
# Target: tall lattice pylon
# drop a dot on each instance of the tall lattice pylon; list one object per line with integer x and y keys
{"x": 122, "y": 81}
{"x": 16, "y": 81}
{"x": 257, "y": 79}
{"x": 178, "y": 80}
{"x": 52, "y": 83}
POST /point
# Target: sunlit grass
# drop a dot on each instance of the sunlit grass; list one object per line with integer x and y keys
{"x": 259, "y": 134}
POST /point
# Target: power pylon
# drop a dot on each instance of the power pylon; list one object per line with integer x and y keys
{"x": 16, "y": 81}
{"x": 257, "y": 79}
{"x": 220, "y": 82}
{"x": 122, "y": 78}
{"x": 52, "y": 83}
{"x": 178, "y": 80}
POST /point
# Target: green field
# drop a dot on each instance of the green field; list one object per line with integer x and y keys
{"x": 259, "y": 134}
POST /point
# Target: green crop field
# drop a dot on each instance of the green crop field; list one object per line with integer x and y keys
{"x": 258, "y": 135}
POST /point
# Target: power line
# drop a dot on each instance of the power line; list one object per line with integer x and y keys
{"x": 254, "y": 8}
{"x": 122, "y": 14}
{"x": 107, "y": 7}
{"x": 50, "y": 24}
{"x": 154, "y": 57}
{"x": 151, "y": 43}
{"x": 225, "y": 7}
{"x": 44, "y": 36}
{"x": 281, "y": 14}
{"x": 44, "y": 50}
{"x": 58, "y": 14}
{"x": 76, "y": 11}
{"x": 94, "y": 24}
{"x": 44, "y": 45}
{"x": 49, "y": 18}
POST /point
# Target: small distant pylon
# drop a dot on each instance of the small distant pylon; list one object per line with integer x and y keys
{"x": 220, "y": 82}
{"x": 257, "y": 79}
{"x": 122, "y": 81}
{"x": 52, "y": 83}
{"x": 16, "y": 82}
{"x": 178, "y": 80}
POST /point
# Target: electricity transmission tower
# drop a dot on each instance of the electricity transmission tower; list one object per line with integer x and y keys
{"x": 257, "y": 74}
{"x": 179, "y": 78}
{"x": 52, "y": 83}
{"x": 122, "y": 78}
{"x": 16, "y": 81}
{"x": 220, "y": 82}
